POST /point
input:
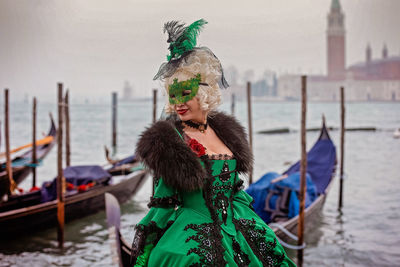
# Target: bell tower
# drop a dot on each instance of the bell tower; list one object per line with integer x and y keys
{"x": 335, "y": 34}
{"x": 384, "y": 51}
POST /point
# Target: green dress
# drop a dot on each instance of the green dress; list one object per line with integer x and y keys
{"x": 213, "y": 226}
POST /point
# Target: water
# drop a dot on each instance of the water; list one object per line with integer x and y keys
{"x": 366, "y": 233}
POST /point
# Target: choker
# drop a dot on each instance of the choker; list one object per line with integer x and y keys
{"x": 195, "y": 125}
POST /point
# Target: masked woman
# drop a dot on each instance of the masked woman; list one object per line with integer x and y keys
{"x": 199, "y": 214}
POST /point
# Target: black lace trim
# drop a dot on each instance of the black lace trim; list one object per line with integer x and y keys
{"x": 220, "y": 156}
{"x": 221, "y": 202}
{"x": 208, "y": 190}
{"x": 156, "y": 181}
{"x": 164, "y": 202}
{"x": 225, "y": 174}
{"x": 238, "y": 186}
{"x": 217, "y": 187}
{"x": 138, "y": 244}
{"x": 210, "y": 248}
{"x": 263, "y": 249}
{"x": 241, "y": 258}
{"x": 142, "y": 233}
{"x": 212, "y": 230}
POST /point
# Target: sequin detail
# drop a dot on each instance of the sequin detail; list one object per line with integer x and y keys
{"x": 210, "y": 248}
{"x": 220, "y": 156}
{"x": 225, "y": 175}
{"x": 255, "y": 237}
{"x": 164, "y": 202}
{"x": 141, "y": 235}
{"x": 221, "y": 201}
{"x": 240, "y": 258}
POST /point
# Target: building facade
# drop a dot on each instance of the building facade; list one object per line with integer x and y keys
{"x": 371, "y": 80}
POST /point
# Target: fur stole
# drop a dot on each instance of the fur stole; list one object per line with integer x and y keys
{"x": 162, "y": 150}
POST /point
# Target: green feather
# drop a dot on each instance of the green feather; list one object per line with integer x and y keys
{"x": 187, "y": 40}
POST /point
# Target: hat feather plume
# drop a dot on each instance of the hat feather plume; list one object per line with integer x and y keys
{"x": 181, "y": 38}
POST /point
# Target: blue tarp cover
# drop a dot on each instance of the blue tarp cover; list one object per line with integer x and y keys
{"x": 260, "y": 189}
{"x": 321, "y": 161}
{"x": 76, "y": 175}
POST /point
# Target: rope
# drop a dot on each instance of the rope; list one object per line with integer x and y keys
{"x": 289, "y": 234}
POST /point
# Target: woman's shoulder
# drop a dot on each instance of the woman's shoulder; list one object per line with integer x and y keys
{"x": 225, "y": 122}
{"x": 159, "y": 129}
{"x": 163, "y": 151}
{"x": 159, "y": 135}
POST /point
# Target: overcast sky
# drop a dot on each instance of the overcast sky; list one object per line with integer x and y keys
{"x": 93, "y": 46}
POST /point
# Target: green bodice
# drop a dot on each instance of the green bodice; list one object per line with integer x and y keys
{"x": 219, "y": 193}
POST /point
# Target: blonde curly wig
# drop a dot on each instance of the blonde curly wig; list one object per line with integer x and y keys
{"x": 205, "y": 63}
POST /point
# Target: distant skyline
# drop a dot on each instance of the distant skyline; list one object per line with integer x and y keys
{"x": 94, "y": 46}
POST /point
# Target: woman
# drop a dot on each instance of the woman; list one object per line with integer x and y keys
{"x": 199, "y": 214}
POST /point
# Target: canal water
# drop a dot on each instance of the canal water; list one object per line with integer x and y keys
{"x": 365, "y": 233}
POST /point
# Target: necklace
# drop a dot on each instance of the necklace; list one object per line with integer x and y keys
{"x": 199, "y": 126}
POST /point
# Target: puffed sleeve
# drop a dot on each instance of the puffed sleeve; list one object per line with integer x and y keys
{"x": 162, "y": 150}
{"x": 149, "y": 230}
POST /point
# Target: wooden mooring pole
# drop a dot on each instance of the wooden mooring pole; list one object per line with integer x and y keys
{"x": 154, "y": 105}
{"x": 303, "y": 169}
{"x": 114, "y": 121}
{"x": 67, "y": 136}
{"x": 34, "y": 156}
{"x": 233, "y": 105}
{"x": 12, "y": 184}
{"x": 342, "y": 131}
{"x": 250, "y": 125}
{"x": 60, "y": 175}
{"x": 154, "y": 120}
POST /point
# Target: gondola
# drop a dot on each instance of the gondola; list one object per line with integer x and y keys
{"x": 321, "y": 161}
{"x": 21, "y": 164}
{"x": 321, "y": 166}
{"x": 84, "y": 195}
{"x": 120, "y": 249}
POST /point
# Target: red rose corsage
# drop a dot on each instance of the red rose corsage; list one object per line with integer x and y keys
{"x": 197, "y": 147}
